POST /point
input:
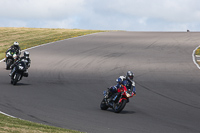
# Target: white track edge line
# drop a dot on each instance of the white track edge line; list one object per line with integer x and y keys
{"x": 7, "y": 114}
{"x": 57, "y": 41}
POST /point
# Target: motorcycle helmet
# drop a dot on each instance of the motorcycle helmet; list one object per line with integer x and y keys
{"x": 129, "y": 75}
{"x": 26, "y": 54}
{"x": 119, "y": 80}
{"x": 16, "y": 44}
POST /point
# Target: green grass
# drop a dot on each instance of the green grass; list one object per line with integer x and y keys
{"x": 15, "y": 125}
{"x": 197, "y": 52}
{"x": 29, "y": 37}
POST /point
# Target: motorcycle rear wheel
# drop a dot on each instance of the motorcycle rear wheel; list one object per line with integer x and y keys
{"x": 118, "y": 107}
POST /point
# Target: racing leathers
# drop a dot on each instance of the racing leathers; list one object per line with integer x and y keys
{"x": 122, "y": 80}
{"x": 16, "y": 48}
{"x": 27, "y": 62}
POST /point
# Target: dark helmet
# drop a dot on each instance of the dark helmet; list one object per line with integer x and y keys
{"x": 26, "y": 54}
{"x": 129, "y": 75}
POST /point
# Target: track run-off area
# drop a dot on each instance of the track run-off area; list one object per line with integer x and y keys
{"x": 67, "y": 78}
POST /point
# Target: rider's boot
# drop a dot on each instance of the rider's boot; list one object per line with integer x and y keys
{"x": 25, "y": 74}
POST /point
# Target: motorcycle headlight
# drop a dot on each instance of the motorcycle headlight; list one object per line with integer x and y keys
{"x": 14, "y": 56}
{"x": 21, "y": 67}
{"x": 129, "y": 94}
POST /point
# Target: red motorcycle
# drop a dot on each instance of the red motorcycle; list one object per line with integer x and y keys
{"x": 118, "y": 100}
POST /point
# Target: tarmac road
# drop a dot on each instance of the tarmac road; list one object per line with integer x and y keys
{"x": 67, "y": 78}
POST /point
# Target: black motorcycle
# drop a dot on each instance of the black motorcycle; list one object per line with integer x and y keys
{"x": 19, "y": 72}
{"x": 11, "y": 57}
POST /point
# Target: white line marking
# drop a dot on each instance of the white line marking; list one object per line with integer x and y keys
{"x": 197, "y": 55}
{"x": 61, "y": 41}
{"x": 57, "y": 41}
{"x": 2, "y": 60}
{"x": 7, "y": 114}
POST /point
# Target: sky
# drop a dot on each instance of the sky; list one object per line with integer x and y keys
{"x": 129, "y": 15}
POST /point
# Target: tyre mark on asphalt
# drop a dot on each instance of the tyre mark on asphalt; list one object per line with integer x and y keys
{"x": 166, "y": 96}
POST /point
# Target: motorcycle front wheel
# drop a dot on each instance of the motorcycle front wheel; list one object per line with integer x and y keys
{"x": 118, "y": 107}
{"x": 15, "y": 78}
{"x": 103, "y": 105}
{"x": 8, "y": 64}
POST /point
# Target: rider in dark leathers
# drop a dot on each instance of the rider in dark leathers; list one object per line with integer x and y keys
{"x": 16, "y": 47}
{"x": 27, "y": 62}
{"x": 123, "y": 80}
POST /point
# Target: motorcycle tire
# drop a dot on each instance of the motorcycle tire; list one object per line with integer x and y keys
{"x": 8, "y": 64}
{"x": 15, "y": 78}
{"x": 118, "y": 107}
{"x": 103, "y": 105}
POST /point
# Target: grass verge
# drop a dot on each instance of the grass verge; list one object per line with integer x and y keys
{"x": 197, "y": 52}
{"x": 15, "y": 125}
{"x": 29, "y": 37}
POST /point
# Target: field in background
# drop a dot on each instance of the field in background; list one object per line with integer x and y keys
{"x": 29, "y": 37}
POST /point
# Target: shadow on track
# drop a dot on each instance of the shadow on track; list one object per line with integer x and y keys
{"x": 123, "y": 111}
{"x": 22, "y": 84}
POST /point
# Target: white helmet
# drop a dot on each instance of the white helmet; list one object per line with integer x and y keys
{"x": 16, "y": 44}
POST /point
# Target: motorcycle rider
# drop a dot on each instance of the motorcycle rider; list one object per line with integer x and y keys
{"x": 123, "y": 80}
{"x": 16, "y": 47}
{"x": 27, "y": 62}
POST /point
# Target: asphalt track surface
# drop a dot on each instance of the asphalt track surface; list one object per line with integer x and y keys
{"x": 67, "y": 79}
